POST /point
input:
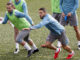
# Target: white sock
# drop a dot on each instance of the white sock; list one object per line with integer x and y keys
{"x": 27, "y": 47}
{"x": 34, "y": 46}
{"x": 58, "y": 49}
{"x": 72, "y": 52}
{"x": 78, "y": 42}
{"x": 17, "y": 45}
{"x": 59, "y": 44}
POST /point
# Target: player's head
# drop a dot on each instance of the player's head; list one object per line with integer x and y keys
{"x": 42, "y": 12}
{"x": 9, "y": 7}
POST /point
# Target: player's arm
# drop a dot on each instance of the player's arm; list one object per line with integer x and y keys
{"x": 5, "y": 19}
{"x": 19, "y": 14}
{"x": 41, "y": 24}
{"x": 25, "y": 9}
{"x": 61, "y": 2}
{"x": 75, "y": 6}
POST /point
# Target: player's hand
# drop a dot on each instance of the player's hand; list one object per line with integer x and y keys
{"x": 26, "y": 29}
{"x": 63, "y": 15}
{"x": 69, "y": 14}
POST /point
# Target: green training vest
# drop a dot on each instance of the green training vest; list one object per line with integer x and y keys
{"x": 55, "y": 4}
{"x": 19, "y": 23}
{"x": 19, "y": 6}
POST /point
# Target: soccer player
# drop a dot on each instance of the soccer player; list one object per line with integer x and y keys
{"x": 57, "y": 31}
{"x": 19, "y": 22}
{"x": 68, "y": 8}
{"x": 55, "y": 5}
{"x": 21, "y": 6}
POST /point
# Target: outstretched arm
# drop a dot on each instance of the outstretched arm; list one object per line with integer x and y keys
{"x": 41, "y": 24}
{"x": 5, "y": 19}
{"x": 25, "y": 9}
{"x": 21, "y": 15}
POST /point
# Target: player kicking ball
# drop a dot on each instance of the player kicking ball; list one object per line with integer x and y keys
{"x": 57, "y": 31}
{"x": 20, "y": 23}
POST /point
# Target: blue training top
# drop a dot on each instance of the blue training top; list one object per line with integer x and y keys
{"x": 52, "y": 24}
{"x": 69, "y": 6}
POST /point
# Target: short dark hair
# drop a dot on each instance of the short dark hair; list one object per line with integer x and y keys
{"x": 43, "y": 9}
{"x": 9, "y": 3}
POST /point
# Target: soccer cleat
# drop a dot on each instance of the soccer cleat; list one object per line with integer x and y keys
{"x": 29, "y": 53}
{"x": 78, "y": 47}
{"x": 34, "y": 51}
{"x": 70, "y": 55}
{"x": 43, "y": 46}
{"x": 57, "y": 53}
{"x": 16, "y": 51}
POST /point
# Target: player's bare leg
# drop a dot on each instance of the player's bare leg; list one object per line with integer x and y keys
{"x": 35, "y": 49}
{"x": 77, "y": 35}
{"x": 31, "y": 43}
{"x": 26, "y": 46}
{"x": 16, "y": 31}
{"x": 68, "y": 49}
{"x": 48, "y": 45}
{"x": 20, "y": 40}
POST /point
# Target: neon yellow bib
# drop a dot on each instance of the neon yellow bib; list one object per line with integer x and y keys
{"x": 55, "y": 4}
{"x": 19, "y": 23}
{"x": 19, "y": 6}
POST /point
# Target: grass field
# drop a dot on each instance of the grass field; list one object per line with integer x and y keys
{"x": 7, "y": 44}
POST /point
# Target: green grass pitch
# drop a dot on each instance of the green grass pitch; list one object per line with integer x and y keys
{"x": 7, "y": 44}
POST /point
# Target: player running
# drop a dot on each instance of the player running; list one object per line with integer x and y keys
{"x": 21, "y": 6}
{"x": 19, "y": 22}
{"x": 57, "y": 31}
